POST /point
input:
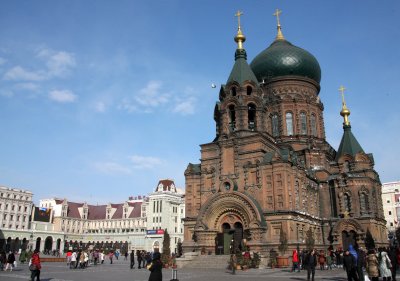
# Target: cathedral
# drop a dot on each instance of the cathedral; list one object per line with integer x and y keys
{"x": 270, "y": 171}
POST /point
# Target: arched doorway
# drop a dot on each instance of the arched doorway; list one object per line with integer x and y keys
{"x": 349, "y": 238}
{"x": 37, "y": 247}
{"x": 238, "y": 237}
{"x": 156, "y": 246}
{"x": 48, "y": 244}
{"x": 58, "y": 247}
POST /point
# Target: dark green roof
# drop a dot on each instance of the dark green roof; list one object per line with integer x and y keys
{"x": 348, "y": 145}
{"x": 282, "y": 58}
{"x": 241, "y": 70}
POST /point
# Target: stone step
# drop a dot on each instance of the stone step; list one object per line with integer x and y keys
{"x": 208, "y": 261}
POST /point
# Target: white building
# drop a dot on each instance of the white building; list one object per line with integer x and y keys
{"x": 165, "y": 210}
{"x": 391, "y": 204}
{"x": 15, "y": 208}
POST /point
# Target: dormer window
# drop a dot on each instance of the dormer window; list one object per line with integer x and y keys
{"x": 232, "y": 117}
{"x": 249, "y": 90}
{"x": 251, "y": 117}
{"x": 233, "y": 91}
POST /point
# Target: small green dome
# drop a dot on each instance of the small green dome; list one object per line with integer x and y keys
{"x": 282, "y": 58}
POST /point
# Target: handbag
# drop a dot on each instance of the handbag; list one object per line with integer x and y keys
{"x": 32, "y": 267}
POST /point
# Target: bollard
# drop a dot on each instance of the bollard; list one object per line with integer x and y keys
{"x": 174, "y": 274}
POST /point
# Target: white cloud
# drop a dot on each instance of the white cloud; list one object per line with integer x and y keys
{"x": 145, "y": 162}
{"x": 18, "y": 73}
{"x": 185, "y": 107}
{"x": 127, "y": 105}
{"x": 2, "y": 61}
{"x": 62, "y": 96}
{"x": 58, "y": 63}
{"x": 100, "y": 106}
{"x": 27, "y": 86}
{"x": 151, "y": 95}
{"x": 111, "y": 168}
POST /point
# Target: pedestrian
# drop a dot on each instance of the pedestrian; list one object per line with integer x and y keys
{"x": 295, "y": 261}
{"x": 68, "y": 255}
{"x": 393, "y": 260}
{"x": 233, "y": 263}
{"x": 78, "y": 259}
{"x": 384, "y": 265}
{"x": 3, "y": 260}
{"x": 155, "y": 267}
{"x": 372, "y": 265}
{"x": 111, "y": 256}
{"x": 126, "y": 256}
{"x": 360, "y": 264}
{"x": 10, "y": 261}
{"x": 73, "y": 260}
{"x": 350, "y": 265}
{"x": 35, "y": 265}
{"x": 310, "y": 263}
{"x": 132, "y": 258}
{"x": 23, "y": 256}
{"x": 139, "y": 258}
{"x": 321, "y": 260}
{"x": 96, "y": 257}
{"x": 329, "y": 260}
{"x": 102, "y": 257}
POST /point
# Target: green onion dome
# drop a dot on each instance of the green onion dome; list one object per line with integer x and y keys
{"x": 282, "y": 58}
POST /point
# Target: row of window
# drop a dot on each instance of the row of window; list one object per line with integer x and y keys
{"x": 157, "y": 206}
{"x": 290, "y": 129}
{"x": 8, "y": 207}
{"x": 18, "y": 217}
{"x": 16, "y": 226}
{"x": 15, "y": 196}
{"x": 364, "y": 203}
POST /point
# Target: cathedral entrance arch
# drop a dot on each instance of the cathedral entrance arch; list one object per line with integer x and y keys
{"x": 349, "y": 238}
{"x": 347, "y": 232}
{"x": 223, "y": 220}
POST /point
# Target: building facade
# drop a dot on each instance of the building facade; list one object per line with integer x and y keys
{"x": 59, "y": 224}
{"x": 15, "y": 217}
{"x": 165, "y": 210}
{"x": 391, "y": 205}
{"x": 270, "y": 168}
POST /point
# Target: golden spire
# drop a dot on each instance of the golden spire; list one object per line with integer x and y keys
{"x": 279, "y": 36}
{"x": 239, "y": 38}
{"x": 345, "y": 112}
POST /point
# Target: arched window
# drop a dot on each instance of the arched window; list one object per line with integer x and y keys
{"x": 275, "y": 125}
{"x": 313, "y": 122}
{"x": 249, "y": 90}
{"x": 364, "y": 204}
{"x": 233, "y": 91}
{"x": 303, "y": 123}
{"x": 289, "y": 123}
{"x": 251, "y": 116}
{"x": 232, "y": 118}
{"x": 347, "y": 202}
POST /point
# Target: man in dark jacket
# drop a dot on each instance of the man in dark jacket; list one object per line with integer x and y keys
{"x": 350, "y": 265}
{"x": 139, "y": 258}
{"x": 132, "y": 257}
{"x": 310, "y": 263}
{"x": 393, "y": 259}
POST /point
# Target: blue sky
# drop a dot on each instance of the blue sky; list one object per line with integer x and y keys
{"x": 101, "y": 99}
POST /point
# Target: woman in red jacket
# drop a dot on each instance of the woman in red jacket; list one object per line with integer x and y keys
{"x": 35, "y": 266}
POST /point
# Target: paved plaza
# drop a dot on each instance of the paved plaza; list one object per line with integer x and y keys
{"x": 120, "y": 270}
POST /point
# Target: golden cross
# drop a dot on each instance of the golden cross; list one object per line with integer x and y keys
{"x": 277, "y": 13}
{"x": 238, "y": 14}
{"x": 341, "y": 89}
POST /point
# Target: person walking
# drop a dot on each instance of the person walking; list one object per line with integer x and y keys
{"x": 126, "y": 256}
{"x": 10, "y": 261}
{"x": 310, "y": 263}
{"x": 350, "y": 265}
{"x": 321, "y": 260}
{"x": 22, "y": 256}
{"x": 295, "y": 261}
{"x": 360, "y": 264}
{"x": 102, "y": 257}
{"x": 233, "y": 263}
{"x": 73, "y": 260}
{"x": 384, "y": 265}
{"x": 78, "y": 259}
{"x": 139, "y": 258}
{"x": 393, "y": 260}
{"x": 156, "y": 268}
{"x": 372, "y": 265}
{"x": 132, "y": 258}
{"x": 35, "y": 266}
{"x": 111, "y": 256}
